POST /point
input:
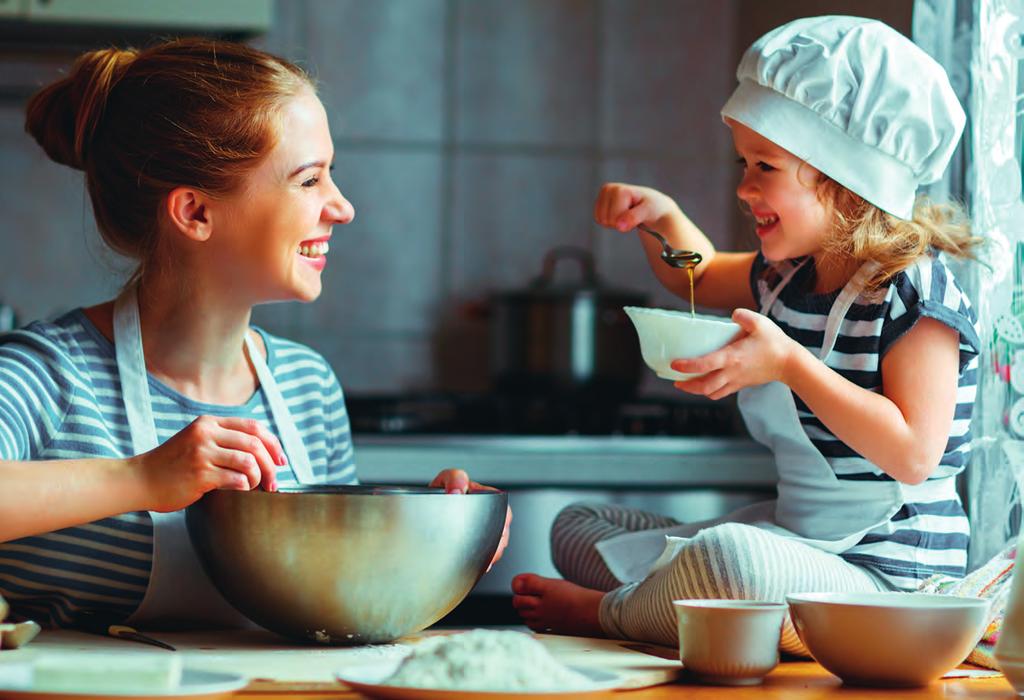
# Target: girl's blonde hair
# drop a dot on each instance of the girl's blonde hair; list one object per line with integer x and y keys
{"x": 187, "y": 112}
{"x": 863, "y": 232}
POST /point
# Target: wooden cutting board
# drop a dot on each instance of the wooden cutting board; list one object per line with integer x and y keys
{"x": 275, "y": 665}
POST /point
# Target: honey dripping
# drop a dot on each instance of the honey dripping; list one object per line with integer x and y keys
{"x": 689, "y": 271}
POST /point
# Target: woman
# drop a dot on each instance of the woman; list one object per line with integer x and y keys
{"x": 208, "y": 163}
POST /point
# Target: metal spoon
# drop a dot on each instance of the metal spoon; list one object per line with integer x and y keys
{"x": 673, "y": 257}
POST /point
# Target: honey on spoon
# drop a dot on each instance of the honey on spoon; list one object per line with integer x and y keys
{"x": 674, "y": 257}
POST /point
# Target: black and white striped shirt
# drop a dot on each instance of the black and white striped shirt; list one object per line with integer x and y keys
{"x": 929, "y": 534}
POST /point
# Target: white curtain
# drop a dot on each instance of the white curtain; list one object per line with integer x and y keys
{"x": 979, "y": 43}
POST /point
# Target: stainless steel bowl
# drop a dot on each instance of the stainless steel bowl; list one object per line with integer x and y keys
{"x": 346, "y": 564}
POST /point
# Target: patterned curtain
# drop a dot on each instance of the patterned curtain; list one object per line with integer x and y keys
{"x": 980, "y": 44}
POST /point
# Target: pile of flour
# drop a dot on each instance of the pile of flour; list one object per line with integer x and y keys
{"x": 486, "y": 660}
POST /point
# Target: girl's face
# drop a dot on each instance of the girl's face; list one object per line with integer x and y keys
{"x": 274, "y": 231}
{"x": 780, "y": 190}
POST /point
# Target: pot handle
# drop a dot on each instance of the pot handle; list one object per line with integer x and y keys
{"x": 581, "y": 255}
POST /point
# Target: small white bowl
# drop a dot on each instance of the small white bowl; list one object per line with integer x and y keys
{"x": 888, "y": 639}
{"x": 672, "y": 335}
{"x": 729, "y": 642}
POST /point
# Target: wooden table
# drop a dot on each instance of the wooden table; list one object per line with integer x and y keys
{"x": 257, "y": 652}
{"x": 791, "y": 680}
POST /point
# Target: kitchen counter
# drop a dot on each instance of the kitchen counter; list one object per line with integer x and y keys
{"x": 294, "y": 671}
{"x": 794, "y": 680}
{"x": 515, "y": 461}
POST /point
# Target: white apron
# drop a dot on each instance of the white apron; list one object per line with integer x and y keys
{"x": 812, "y": 506}
{"x": 179, "y": 593}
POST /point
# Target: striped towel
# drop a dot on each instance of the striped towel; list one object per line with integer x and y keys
{"x": 992, "y": 580}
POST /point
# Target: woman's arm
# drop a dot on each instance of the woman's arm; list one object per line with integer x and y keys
{"x": 44, "y": 496}
{"x": 210, "y": 453}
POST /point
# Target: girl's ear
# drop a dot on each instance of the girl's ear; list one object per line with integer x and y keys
{"x": 188, "y": 211}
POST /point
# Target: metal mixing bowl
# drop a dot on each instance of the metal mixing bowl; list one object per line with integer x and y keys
{"x": 346, "y": 564}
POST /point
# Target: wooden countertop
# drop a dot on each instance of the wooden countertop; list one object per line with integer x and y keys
{"x": 304, "y": 672}
{"x": 791, "y": 680}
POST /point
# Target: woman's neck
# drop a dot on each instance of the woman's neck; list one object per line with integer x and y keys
{"x": 192, "y": 341}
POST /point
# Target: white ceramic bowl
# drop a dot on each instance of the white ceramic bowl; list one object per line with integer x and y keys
{"x": 672, "y": 335}
{"x": 888, "y": 639}
{"x": 729, "y": 642}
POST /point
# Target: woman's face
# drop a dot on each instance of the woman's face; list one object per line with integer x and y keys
{"x": 781, "y": 192}
{"x": 273, "y": 232}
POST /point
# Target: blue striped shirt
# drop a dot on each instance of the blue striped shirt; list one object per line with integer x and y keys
{"x": 60, "y": 398}
{"x": 929, "y": 534}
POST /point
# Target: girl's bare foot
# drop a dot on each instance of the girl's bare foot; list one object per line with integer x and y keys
{"x": 556, "y": 605}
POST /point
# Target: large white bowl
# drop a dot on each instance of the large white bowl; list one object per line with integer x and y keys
{"x": 673, "y": 335}
{"x": 888, "y": 639}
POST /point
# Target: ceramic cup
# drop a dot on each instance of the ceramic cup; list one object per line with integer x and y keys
{"x": 729, "y": 642}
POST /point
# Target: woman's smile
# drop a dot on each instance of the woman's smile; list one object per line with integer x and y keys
{"x": 313, "y": 252}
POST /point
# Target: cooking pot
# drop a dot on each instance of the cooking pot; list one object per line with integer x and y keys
{"x": 557, "y": 337}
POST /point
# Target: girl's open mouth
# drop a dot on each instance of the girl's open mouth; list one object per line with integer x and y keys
{"x": 766, "y": 224}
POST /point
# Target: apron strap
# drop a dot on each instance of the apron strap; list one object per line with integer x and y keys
{"x": 842, "y": 305}
{"x": 298, "y": 458}
{"x": 773, "y": 295}
{"x": 131, "y": 369}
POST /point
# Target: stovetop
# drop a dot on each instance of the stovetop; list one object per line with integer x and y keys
{"x": 438, "y": 413}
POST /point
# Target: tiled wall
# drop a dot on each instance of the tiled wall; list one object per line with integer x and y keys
{"x": 471, "y": 136}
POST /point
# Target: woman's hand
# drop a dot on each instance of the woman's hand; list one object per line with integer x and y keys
{"x": 210, "y": 453}
{"x": 622, "y": 206}
{"x": 762, "y": 355}
{"x": 457, "y": 481}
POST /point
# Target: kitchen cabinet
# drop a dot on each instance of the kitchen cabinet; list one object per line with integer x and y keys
{"x": 241, "y": 16}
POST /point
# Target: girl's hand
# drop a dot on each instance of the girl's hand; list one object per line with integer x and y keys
{"x": 761, "y": 356}
{"x": 622, "y": 207}
{"x": 210, "y": 453}
{"x": 457, "y": 481}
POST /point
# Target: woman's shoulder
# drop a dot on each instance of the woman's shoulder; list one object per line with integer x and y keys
{"x": 58, "y": 353}
{"x": 62, "y": 336}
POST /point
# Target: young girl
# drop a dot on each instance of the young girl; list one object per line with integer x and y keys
{"x": 209, "y": 163}
{"x": 858, "y": 363}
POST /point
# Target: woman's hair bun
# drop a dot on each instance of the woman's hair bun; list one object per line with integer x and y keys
{"x": 63, "y": 116}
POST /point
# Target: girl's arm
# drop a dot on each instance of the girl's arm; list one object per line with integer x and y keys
{"x": 903, "y": 430}
{"x": 722, "y": 280}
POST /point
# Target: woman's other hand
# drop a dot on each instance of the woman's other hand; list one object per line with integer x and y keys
{"x": 622, "y": 206}
{"x": 457, "y": 481}
{"x": 760, "y": 356}
{"x": 211, "y": 453}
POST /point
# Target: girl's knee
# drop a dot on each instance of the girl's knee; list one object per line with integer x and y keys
{"x": 723, "y": 554}
{"x": 728, "y": 539}
{"x": 570, "y": 518}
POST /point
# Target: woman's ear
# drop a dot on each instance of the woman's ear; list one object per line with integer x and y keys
{"x": 189, "y": 212}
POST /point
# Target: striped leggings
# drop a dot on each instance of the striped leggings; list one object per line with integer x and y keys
{"x": 729, "y": 560}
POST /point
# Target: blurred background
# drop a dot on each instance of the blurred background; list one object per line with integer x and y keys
{"x": 471, "y": 137}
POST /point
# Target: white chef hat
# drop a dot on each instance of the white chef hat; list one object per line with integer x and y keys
{"x": 857, "y": 100}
